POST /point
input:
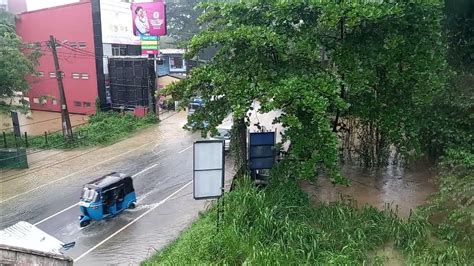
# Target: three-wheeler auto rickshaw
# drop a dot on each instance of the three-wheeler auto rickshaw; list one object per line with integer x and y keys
{"x": 106, "y": 197}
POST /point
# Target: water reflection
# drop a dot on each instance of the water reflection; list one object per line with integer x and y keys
{"x": 395, "y": 185}
{"x": 37, "y": 122}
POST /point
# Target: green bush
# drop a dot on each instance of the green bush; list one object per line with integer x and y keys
{"x": 278, "y": 225}
{"x": 103, "y": 128}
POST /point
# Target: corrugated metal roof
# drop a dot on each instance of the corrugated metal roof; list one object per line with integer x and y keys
{"x": 28, "y": 236}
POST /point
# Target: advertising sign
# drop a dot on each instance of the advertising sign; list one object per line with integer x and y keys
{"x": 149, "y": 19}
{"x": 208, "y": 172}
{"x": 150, "y": 44}
{"x": 116, "y": 23}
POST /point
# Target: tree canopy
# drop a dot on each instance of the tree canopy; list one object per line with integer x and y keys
{"x": 321, "y": 64}
{"x": 17, "y": 60}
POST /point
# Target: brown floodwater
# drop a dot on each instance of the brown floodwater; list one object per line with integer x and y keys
{"x": 38, "y": 122}
{"x": 402, "y": 188}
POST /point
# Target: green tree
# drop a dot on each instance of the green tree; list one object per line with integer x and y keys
{"x": 450, "y": 118}
{"x": 16, "y": 61}
{"x": 379, "y": 62}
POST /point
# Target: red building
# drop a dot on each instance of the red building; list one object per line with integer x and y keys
{"x": 72, "y": 26}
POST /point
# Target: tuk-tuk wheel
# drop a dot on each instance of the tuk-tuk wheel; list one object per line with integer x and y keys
{"x": 132, "y": 205}
{"x": 84, "y": 223}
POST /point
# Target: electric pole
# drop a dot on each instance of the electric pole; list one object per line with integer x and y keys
{"x": 66, "y": 122}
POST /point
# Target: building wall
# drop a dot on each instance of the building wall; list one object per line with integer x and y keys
{"x": 163, "y": 68}
{"x": 18, "y": 256}
{"x": 71, "y": 23}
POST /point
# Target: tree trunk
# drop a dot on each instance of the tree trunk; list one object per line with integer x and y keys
{"x": 240, "y": 150}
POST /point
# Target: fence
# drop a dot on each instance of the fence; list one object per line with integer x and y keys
{"x": 47, "y": 140}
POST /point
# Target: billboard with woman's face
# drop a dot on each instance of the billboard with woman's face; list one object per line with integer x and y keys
{"x": 149, "y": 19}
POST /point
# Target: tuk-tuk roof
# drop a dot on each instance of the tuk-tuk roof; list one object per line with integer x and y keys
{"x": 107, "y": 180}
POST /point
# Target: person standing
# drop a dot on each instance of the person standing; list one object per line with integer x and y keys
{"x": 141, "y": 22}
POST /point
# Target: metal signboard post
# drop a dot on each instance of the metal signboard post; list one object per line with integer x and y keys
{"x": 208, "y": 172}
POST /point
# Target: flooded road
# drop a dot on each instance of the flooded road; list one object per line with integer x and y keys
{"x": 159, "y": 159}
{"x": 403, "y": 188}
{"x": 38, "y": 122}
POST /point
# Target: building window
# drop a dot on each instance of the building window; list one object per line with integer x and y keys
{"x": 36, "y": 100}
{"x": 62, "y": 74}
{"x": 82, "y": 45}
{"x": 176, "y": 62}
{"x": 85, "y": 76}
{"x": 119, "y": 50}
{"x": 39, "y": 74}
{"x": 54, "y": 101}
{"x": 75, "y": 75}
{"x": 77, "y": 104}
{"x": 86, "y": 104}
{"x": 73, "y": 44}
{"x": 44, "y": 101}
{"x": 52, "y": 74}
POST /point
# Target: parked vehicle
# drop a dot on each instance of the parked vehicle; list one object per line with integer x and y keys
{"x": 106, "y": 197}
{"x": 195, "y": 104}
{"x": 223, "y": 133}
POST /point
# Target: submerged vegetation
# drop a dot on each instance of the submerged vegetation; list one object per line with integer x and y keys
{"x": 278, "y": 225}
{"x": 351, "y": 80}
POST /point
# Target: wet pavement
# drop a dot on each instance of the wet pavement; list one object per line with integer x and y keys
{"x": 160, "y": 162}
{"x": 38, "y": 122}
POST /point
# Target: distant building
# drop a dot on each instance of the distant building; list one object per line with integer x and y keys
{"x": 72, "y": 26}
{"x": 89, "y": 32}
{"x": 172, "y": 62}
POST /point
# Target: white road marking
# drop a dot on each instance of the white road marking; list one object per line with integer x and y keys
{"x": 132, "y": 222}
{"x": 71, "y": 174}
{"x": 49, "y": 217}
{"x": 185, "y": 149}
{"x": 144, "y": 170}
{"x": 75, "y": 204}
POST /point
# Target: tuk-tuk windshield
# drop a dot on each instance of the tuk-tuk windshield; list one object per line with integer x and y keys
{"x": 89, "y": 195}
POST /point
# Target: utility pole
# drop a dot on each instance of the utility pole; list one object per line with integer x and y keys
{"x": 66, "y": 122}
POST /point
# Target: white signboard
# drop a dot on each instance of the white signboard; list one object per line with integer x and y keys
{"x": 208, "y": 174}
{"x": 116, "y": 21}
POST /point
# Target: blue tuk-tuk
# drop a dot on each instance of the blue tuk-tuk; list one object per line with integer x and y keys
{"x": 106, "y": 197}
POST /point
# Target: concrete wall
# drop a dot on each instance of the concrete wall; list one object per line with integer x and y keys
{"x": 18, "y": 256}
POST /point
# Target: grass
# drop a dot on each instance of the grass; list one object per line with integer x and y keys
{"x": 278, "y": 225}
{"x": 103, "y": 128}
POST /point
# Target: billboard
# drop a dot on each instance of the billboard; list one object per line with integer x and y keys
{"x": 150, "y": 44}
{"x": 116, "y": 23}
{"x": 149, "y": 19}
{"x": 208, "y": 172}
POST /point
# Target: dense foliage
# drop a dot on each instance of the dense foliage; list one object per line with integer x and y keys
{"x": 279, "y": 226}
{"x": 378, "y": 63}
{"x": 16, "y": 62}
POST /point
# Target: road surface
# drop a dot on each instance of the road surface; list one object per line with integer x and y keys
{"x": 160, "y": 161}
